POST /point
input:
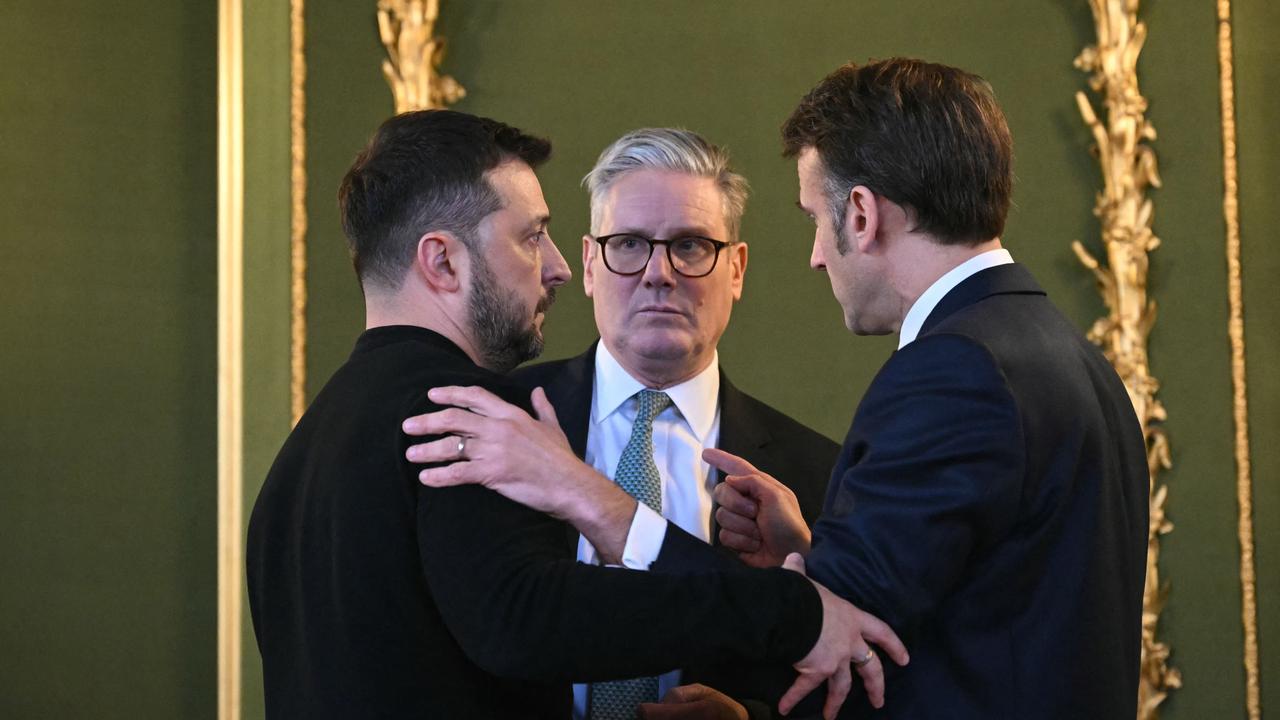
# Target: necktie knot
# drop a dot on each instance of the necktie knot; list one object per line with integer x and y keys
{"x": 650, "y": 404}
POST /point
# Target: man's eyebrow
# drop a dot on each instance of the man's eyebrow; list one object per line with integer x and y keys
{"x": 540, "y": 222}
{"x": 681, "y": 231}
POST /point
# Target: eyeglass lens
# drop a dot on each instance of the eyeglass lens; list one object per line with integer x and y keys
{"x": 692, "y": 256}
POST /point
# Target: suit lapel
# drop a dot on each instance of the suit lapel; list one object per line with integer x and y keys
{"x": 570, "y": 394}
{"x": 569, "y": 391}
{"x": 741, "y": 433}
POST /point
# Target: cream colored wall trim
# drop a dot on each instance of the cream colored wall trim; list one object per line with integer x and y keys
{"x": 1235, "y": 331}
{"x": 230, "y": 352}
{"x": 298, "y": 209}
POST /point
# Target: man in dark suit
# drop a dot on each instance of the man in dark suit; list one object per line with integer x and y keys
{"x": 667, "y": 185}
{"x": 990, "y": 501}
{"x": 374, "y": 596}
{"x": 991, "y": 497}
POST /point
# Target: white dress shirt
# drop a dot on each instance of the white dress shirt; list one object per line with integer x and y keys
{"x": 680, "y": 432}
{"x": 927, "y": 301}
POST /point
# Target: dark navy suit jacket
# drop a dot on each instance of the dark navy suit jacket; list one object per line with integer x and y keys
{"x": 990, "y": 503}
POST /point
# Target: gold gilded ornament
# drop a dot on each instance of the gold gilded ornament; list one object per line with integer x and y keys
{"x": 1129, "y": 168}
{"x": 413, "y": 53}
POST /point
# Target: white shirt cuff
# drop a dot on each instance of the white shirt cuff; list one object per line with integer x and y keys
{"x": 644, "y": 539}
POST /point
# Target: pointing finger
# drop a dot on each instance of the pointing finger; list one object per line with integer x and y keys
{"x": 727, "y": 463}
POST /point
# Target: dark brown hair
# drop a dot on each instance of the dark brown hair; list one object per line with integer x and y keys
{"x": 424, "y": 171}
{"x": 929, "y": 137}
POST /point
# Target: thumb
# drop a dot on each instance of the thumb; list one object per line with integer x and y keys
{"x": 794, "y": 563}
{"x": 542, "y": 407}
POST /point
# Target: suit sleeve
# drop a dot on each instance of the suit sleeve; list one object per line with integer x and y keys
{"x": 929, "y": 476}
{"x": 520, "y": 608}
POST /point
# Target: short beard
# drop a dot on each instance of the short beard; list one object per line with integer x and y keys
{"x": 505, "y": 335}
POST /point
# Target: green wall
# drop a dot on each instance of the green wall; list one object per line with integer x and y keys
{"x": 108, "y": 285}
{"x": 585, "y": 72}
{"x": 1257, "y": 71}
{"x": 108, "y": 290}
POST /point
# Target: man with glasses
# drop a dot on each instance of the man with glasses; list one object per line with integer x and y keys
{"x": 663, "y": 266}
{"x": 374, "y": 596}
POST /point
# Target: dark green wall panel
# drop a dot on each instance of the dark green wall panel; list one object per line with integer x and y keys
{"x": 107, "y": 379}
{"x": 346, "y": 101}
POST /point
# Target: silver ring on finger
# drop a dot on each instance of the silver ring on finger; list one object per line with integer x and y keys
{"x": 871, "y": 655}
{"x": 462, "y": 447}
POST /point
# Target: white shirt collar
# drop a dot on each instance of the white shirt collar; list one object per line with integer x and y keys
{"x": 695, "y": 398}
{"x": 921, "y": 308}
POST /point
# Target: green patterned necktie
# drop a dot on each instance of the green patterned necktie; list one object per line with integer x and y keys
{"x": 638, "y": 475}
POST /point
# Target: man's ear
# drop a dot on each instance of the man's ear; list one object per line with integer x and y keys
{"x": 589, "y": 249}
{"x": 439, "y": 260}
{"x": 862, "y": 218}
{"x": 737, "y": 253}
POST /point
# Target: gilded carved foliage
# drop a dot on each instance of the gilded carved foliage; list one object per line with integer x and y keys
{"x": 1129, "y": 168}
{"x": 407, "y": 30}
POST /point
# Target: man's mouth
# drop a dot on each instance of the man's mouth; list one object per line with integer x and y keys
{"x": 660, "y": 309}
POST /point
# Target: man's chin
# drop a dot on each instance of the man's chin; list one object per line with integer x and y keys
{"x": 655, "y": 346}
{"x": 861, "y": 326}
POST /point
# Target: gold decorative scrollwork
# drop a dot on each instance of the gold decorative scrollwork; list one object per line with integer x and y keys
{"x": 413, "y": 54}
{"x": 1235, "y": 332}
{"x": 1128, "y": 170}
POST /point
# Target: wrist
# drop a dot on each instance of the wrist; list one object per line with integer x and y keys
{"x": 585, "y": 497}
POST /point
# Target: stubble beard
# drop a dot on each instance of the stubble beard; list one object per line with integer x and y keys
{"x": 505, "y": 334}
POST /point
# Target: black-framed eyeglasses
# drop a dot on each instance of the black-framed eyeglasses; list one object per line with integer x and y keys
{"x": 692, "y": 256}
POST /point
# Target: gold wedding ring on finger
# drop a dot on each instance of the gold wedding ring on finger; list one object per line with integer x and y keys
{"x": 871, "y": 655}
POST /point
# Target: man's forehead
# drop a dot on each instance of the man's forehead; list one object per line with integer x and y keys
{"x": 808, "y": 161}
{"x": 660, "y": 195}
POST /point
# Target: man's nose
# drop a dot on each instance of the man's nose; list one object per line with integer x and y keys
{"x": 816, "y": 261}
{"x": 555, "y": 270}
{"x": 659, "y": 271}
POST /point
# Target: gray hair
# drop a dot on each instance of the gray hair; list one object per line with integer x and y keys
{"x": 674, "y": 149}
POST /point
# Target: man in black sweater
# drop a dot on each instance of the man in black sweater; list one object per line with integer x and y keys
{"x": 374, "y": 596}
